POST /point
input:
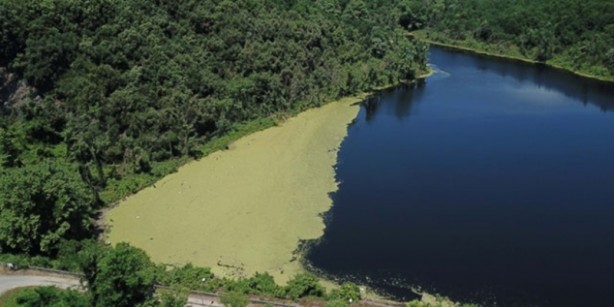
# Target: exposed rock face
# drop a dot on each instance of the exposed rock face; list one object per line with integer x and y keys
{"x": 13, "y": 90}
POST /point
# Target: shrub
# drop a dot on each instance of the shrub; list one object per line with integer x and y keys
{"x": 347, "y": 291}
{"x": 303, "y": 285}
{"x": 174, "y": 297}
{"x": 49, "y": 296}
{"x": 191, "y": 277}
{"x": 265, "y": 284}
{"x": 234, "y": 299}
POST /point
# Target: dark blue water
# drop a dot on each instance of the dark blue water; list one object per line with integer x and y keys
{"x": 490, "y": 182}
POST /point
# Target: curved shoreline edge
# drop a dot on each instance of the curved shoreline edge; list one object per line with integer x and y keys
{"x": 462, "y": 48}
{"x": 243, "y": 210}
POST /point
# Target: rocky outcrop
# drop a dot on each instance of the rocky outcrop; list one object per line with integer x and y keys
{"x": 14, "y": 90}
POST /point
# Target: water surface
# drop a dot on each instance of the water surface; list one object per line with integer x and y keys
{"x": 492, "y": 182}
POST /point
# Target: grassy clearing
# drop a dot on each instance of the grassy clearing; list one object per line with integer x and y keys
{"x": 510, "y": 51}
{"x": 244, "y": 209}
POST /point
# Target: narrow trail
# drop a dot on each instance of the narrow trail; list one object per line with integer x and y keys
{"x": 16, "y": 279}
{"x": 8, "y": 282}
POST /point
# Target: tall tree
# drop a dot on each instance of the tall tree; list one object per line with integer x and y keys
{"x": 122, "y": 276}
{"x": 42, "y": 204}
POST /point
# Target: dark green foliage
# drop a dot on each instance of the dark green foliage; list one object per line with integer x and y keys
{"x": 574, "y": 34}
{"x": 42, "y": 204}
{"x": 130, "y": 89}
{"x": 47, "y": 56}
{"x": 303, "y": 285}
{"x": 263, "y": 283}
{"x": 11, "y": 147}
{"x": 347, "y": 292}
{"x": 119, "y": 276}
{"x": 68, "y": 257}
{"x": 49, "y": 296}
{"x": 147, "y": 81}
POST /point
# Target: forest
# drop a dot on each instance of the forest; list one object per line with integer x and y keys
{"x": 114, "y": 94}
{"x": 570, "y": 34}
{"x": 120, "y": 90}
{"x": 100, "y": 98}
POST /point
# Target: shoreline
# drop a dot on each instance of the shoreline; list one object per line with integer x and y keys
{"x": 128, "y": 221}
{"x": 507, "y": 57}
{"x": 220, "y": 143}
{"x": 235, "y": 206}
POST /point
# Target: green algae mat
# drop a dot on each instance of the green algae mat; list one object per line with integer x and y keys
{"x": 245, "y": 209}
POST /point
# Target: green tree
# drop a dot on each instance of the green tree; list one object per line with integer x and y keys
{"x": 265, "y": 284}
{"x": 355, "y": 9}
{"x": 11, "y": 147}
{"x": 42, "y": 204}
{"x": 303, "y": 285}
{"x": 120, "y": 276}
{"x": 127, "y": 84}
{"x": 49, "y": 296}
{"x": 348, "y": 291}
{"x": 47, "y": 55}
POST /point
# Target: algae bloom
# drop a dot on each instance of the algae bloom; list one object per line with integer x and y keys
{"x": 244, "y": 209}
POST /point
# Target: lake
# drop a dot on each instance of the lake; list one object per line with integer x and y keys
{"x": 492, "y": 181}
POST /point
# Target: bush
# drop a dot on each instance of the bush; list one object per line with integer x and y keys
{"x": 234, "y": 299}
{"x": 348, "y": 291}
{"x": 48, "y": 296}
{"x": 303, "y": 285}
{"x": 191, "y": 277}
{"x": 174, "y": 297}
{"x": 263, "y": 283}
{"x": 240, "y": 285}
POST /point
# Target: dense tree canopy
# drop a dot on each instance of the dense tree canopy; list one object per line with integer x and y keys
{"x": 119, "y": 276}
{"x": 124, "y": 85}
{"x": 577, "y": 35}
{"x": 41, "y": 205}
{"x": 141, "y": 80}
